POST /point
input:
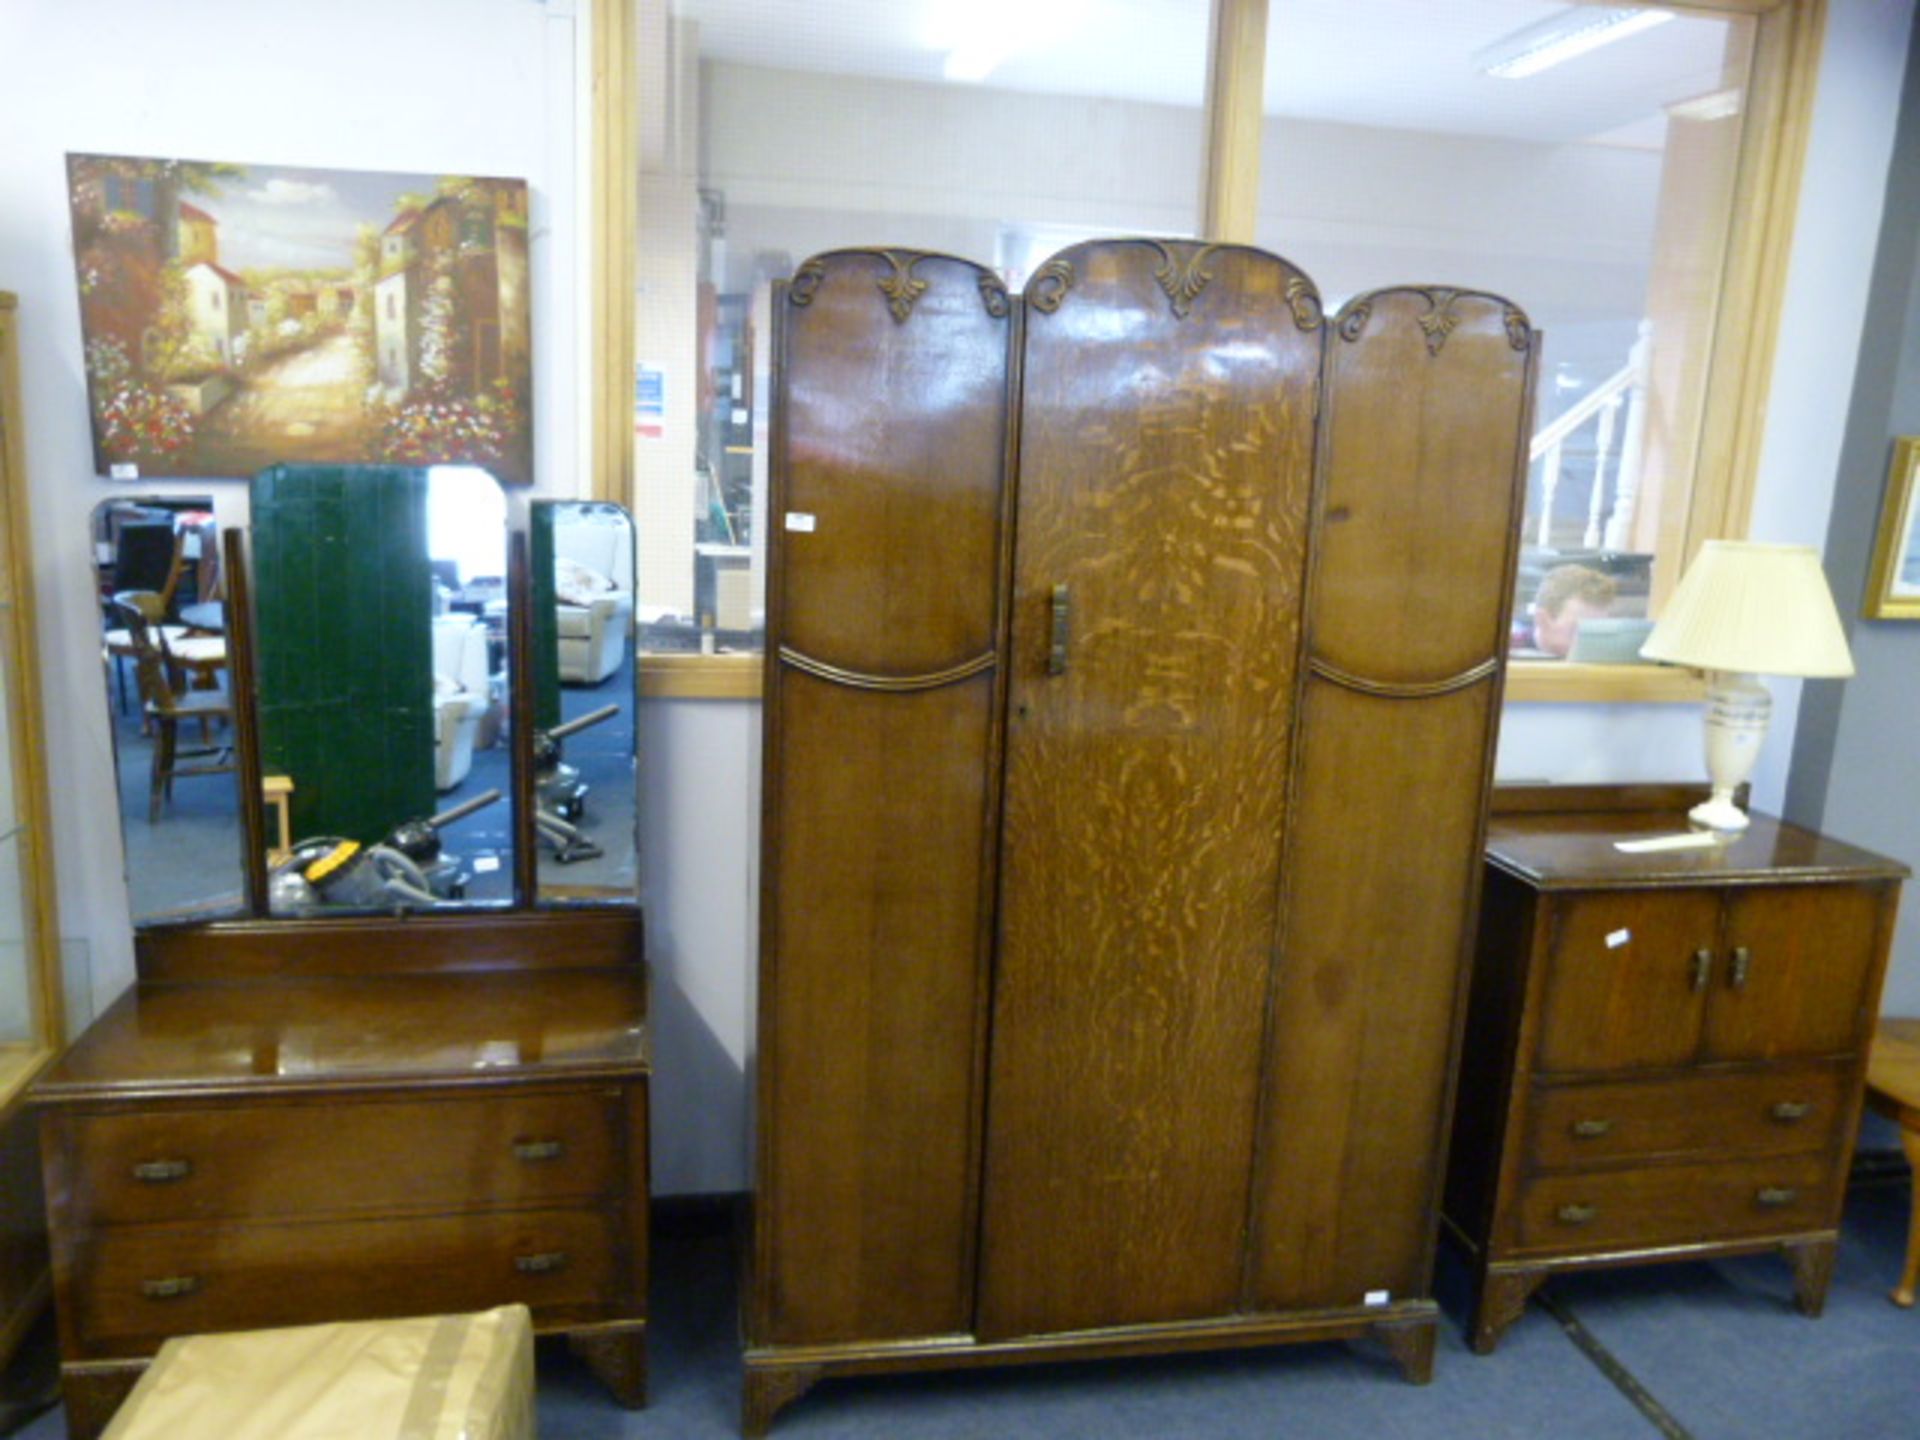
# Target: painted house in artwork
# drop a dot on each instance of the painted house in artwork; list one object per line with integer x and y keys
{"x": 450, "y": 304}
{"x": 217, "y": 308}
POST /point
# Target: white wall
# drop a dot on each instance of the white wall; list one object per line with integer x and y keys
{"x": 435, "y": 86}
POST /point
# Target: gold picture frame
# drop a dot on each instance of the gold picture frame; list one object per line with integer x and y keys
{"x": 1893, "y": 584}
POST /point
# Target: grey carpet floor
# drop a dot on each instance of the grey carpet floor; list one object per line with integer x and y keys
{"x": 1717, "y": 1345}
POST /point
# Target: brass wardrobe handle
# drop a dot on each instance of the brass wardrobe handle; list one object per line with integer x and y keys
{"x": 544, "y": 1263}
{"x": 1702, "y": 969}
{"x": 1062, "y": 627}
{"x": 1742, "y": 963}
{"x": 1774, "y": 1196}
{"x": 162, "y": 1172}
{"x": 1591, "y": 1129}
{"x": 170, "y": 1287}
{"x": 532, "y": 1151}
{"x": 1788, "y": 1111}
{"x": 1575, "y": 1214}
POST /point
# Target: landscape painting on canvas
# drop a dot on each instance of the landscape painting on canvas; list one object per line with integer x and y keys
{"x": 236, "y": 315}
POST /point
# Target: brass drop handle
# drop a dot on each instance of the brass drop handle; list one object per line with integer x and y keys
{"x": 1788, "y": 1111}
{"x": 533, "y": 1151}
{"x": 1742, "y": 963}
{"x": 1702, "y": 969}
{"x": 170, "y": 1287}
{"x": 162, "y": 1172}
{"x": 1591, "y": 1129}
{"x": 1575, "y": 1214}
{"x": 544, "y": 1263}
{"x": 1774, "y": 1196}
{"x": 1062, "y": 628}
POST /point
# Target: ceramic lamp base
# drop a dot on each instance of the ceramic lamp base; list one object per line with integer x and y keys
{"x": 1738, "y": 709}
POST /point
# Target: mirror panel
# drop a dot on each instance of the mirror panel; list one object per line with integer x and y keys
{"x": 169, "y": 705}
{"x": 380, "y": 616}
{"x": 585, "y": 747}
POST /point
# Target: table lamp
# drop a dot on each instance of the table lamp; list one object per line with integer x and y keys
{"x": 1744, "y": 610}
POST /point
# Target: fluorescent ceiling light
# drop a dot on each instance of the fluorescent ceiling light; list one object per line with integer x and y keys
{"x": 1559, "y": 38}
{"x": 980, "y": 36}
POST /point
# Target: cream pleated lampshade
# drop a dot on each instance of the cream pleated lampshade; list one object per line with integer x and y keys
{"x": 1761, "y": 609}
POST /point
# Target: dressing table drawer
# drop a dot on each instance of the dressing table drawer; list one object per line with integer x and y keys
{"x": 1779, "y": 1110}
{"x": 291, "y": 1159}
{"x": 135, "y": 1286}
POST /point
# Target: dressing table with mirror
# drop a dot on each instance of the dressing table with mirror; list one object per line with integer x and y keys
{"x": 394, "y": 1060}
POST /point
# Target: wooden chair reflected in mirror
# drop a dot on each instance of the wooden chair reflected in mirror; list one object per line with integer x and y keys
{"x": 164, "y": 706}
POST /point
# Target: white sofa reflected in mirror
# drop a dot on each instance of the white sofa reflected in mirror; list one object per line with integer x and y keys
{"x": 460, "y": 695}
{"x": 593, "y": 588}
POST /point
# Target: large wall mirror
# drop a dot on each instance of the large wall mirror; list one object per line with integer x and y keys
{"x": 169, "y": 701}
{"x": 584, "y": 748}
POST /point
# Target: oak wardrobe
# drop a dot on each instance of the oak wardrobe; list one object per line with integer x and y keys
{"x": 1134, "y": 660}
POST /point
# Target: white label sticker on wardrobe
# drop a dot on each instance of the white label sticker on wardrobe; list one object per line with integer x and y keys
{"x": 799, "y": 520}
{"x": 1617, "y": 938}
{"x": 1378, "y": 1297}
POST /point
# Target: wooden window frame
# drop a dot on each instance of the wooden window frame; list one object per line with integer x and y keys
{"x": 1787, "y": 46}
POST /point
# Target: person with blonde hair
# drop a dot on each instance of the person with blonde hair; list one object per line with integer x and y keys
{"x": 1567, "y": 595}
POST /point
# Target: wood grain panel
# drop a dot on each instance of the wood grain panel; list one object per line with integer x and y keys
{"x": 1776, "y": 991}
{"x": 1364, "y": 1004}
{"x": 1425, "y": 409}
{"x": 893, "y": 447}
{"x": 881, "y": 744}
{"x": 1626, "y": 989}
{"x": 1165, "y": 467}
{"x": 1426, "y": 401}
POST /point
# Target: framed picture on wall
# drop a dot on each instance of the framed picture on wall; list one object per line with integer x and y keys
{"x": 1893, "y": 585}
{"x": 238, "y": 315}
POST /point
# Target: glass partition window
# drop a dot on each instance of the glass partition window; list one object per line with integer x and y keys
{"x": 169, "y": 703}
{"x": 769, "y": 132}
{"x": 1580, "y": 160}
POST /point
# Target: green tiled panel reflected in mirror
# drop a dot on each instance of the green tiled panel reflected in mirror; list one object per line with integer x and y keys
{"x": 343, "y": 603}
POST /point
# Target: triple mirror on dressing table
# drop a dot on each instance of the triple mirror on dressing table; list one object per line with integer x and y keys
{"x": 387, "y": 1053}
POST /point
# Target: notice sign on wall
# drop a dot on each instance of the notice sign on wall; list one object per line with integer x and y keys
{"x": 649, "y": 402}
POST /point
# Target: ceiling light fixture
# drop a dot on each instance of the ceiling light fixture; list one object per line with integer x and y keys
{"x": 979, "y": 36}
{"x": 1561, "y": 37}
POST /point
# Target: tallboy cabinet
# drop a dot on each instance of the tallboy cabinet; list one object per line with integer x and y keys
{"x": 1118, "y": 632}
{"x": 1665, "y": 1050}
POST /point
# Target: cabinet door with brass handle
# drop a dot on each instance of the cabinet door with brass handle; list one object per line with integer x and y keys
{"x": 1793, "y": 987}
{"x": 1628, "y": 981}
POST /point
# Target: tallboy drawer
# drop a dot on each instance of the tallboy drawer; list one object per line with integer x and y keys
{"x": 1780, "y": 1110}
{"x": 1675, "y": 1204}
{"x": 289, "y": 1159}
{"x": 134, "y": 1286}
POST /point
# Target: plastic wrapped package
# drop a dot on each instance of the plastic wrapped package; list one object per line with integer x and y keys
{"x": 446, "y": 1377}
